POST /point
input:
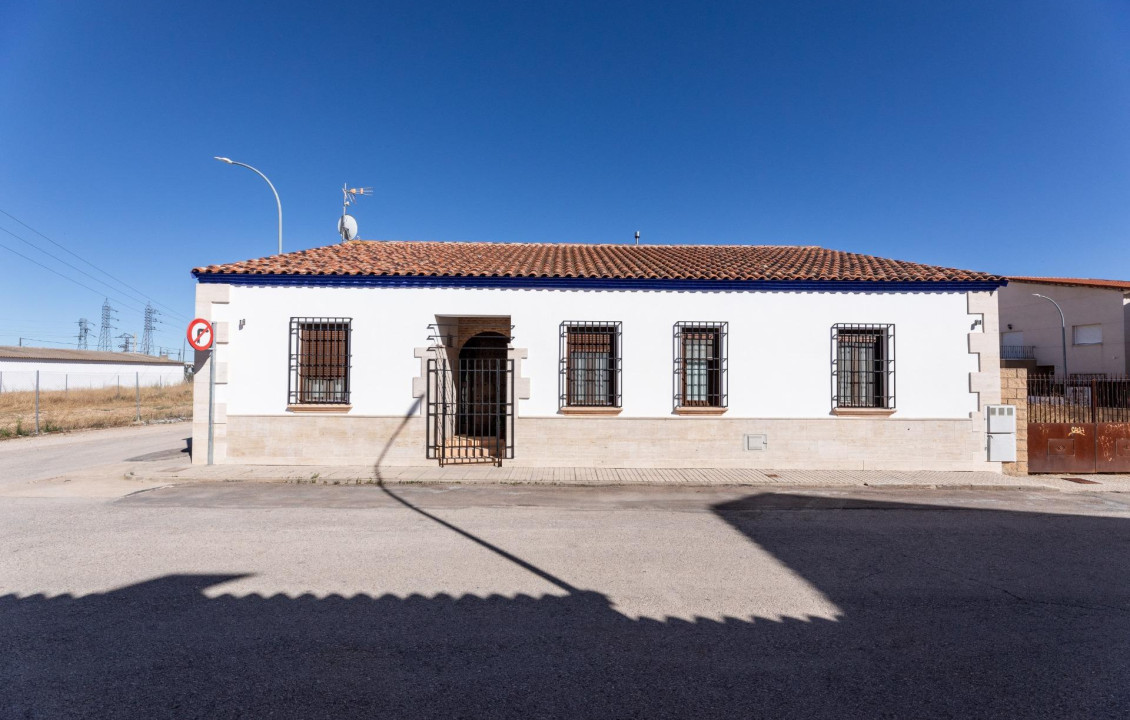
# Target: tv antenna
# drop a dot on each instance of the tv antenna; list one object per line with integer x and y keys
{"x": 347, "y": 225}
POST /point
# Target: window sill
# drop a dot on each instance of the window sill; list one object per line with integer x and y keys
{"x": 699, "y": 410}
{"x": 598, "y": 411}
{"x": 319, "y": 408}
{"x": 863, "y": 412}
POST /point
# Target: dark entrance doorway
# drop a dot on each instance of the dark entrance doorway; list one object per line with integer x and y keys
{"x": 482, "y": 386}
{"x": 470, "y": 406}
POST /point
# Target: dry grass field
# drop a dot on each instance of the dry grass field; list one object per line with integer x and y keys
{"x": 94, "y": 408}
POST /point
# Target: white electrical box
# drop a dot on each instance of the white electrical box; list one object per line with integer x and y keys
{"x": 1002, "y": 418}
{"x": 756, "y": 442}
{"x": 1002, "y": 447}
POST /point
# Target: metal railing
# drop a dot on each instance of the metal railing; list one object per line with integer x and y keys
{"x": 1051, "y": 400}
{"x": 1018, "y": 352}
{"x": 34, "y": 401}
{"x": 590, "y": 364}
{"x": 470, "y": 410}
{"x": 319, "y": 361}
{"x": 701, "y": 368}
{"x": 863, "y": 366}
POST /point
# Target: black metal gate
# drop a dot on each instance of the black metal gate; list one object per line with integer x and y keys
{"x": 1078, "y": 426}
{"x": 470, "y": 410}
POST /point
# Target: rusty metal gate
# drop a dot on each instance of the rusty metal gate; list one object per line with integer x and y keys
{"x": 1078, "y": 426}
{"x": 470, "y": 410}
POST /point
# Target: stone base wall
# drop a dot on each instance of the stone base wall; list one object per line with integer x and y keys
{"x": 821, "y": 443}
{"x": 1014, "y": 391}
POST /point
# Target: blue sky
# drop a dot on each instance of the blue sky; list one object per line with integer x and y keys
{"x": 989, "y": 136}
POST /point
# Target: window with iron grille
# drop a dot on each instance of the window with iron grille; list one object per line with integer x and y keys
{"x": 863, "y": 366}
{"x": 590, "y": 364}
{"x": 701, "y": 370}
{"x": 319, "y": 361}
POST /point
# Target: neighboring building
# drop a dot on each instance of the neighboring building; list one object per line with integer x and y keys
{"x": 598, "y": 355}
{"x": 62, "y": 369}
{"x": 1097, "y": 325}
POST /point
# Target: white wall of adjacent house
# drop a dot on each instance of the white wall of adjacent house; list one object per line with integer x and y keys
{"x": 1096, "y": 320}
{"x": 779, "y": 345}
{"x": 20, "y": 375}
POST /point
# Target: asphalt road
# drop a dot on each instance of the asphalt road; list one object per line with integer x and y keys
{"x": 30, "y": 459}
{"x": 250, "y": 600}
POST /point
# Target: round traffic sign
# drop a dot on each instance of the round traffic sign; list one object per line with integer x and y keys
{"x": 200, "y": 334}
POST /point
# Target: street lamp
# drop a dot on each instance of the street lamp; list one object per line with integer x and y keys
{"x": 1062, "y": 331}
{"x": 229, "y": 161}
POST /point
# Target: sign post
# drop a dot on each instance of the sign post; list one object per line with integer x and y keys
{"x": 201, "y": 334}
{"x": 212, "y": 403}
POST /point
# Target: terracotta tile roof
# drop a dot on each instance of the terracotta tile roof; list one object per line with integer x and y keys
{"x": 12, "y": 352}
{"x": 1083, "y": 282}
{"x": 549, "y": 260}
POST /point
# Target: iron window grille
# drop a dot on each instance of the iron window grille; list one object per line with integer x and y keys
{"x": 701, "y": 357}
{"x": 863, "y": 366}
{"x": 590, "y": 364}
{"x": 319, "y": 361}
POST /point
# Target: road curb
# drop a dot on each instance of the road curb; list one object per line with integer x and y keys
{"x": 316, "y": 478}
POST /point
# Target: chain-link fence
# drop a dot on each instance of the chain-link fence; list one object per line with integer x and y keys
{"x": 41, "y": 402}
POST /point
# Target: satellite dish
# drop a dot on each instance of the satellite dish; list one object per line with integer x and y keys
{"x": 347, "y": 227}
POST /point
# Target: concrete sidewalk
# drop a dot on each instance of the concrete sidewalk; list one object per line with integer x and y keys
{"x": 485, "y": 474}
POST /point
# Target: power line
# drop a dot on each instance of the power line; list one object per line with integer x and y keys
{"x": 65, "y": 277}
{"x": 70, "y": 252}
{"x": 52, "y": 342}
{"x": 57, "y": 259}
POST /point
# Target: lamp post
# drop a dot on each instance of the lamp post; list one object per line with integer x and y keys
{"x": 229, "y": 161}
{"x": 1062, "y": 334}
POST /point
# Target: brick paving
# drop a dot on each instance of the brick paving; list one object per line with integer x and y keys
{"x": 486, "y": 474}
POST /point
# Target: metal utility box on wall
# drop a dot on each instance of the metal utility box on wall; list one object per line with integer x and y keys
{"x": 1002, "y": 418}
{"x": 1002, "y": 447}
{"x": 756, "y": 442}
{"x": 1001, "y": 437}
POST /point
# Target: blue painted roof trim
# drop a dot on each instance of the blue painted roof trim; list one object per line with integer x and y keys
{"x": 558, "y": 283}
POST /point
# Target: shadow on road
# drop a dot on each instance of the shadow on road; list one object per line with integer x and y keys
{"x": 184, "y": 453}
{"x": 952, "y": 613}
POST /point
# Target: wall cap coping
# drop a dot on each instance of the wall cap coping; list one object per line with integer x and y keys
{"x": 695, "y": 410}
{"x": 863, "y": 412}
{"x": 319, "y": 408}
{"x": 576, "y": 410}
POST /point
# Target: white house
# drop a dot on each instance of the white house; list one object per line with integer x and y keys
{"x": 1094, "y": 328}
{"x": 61, "y": 369}
{"x": 408, "y": 353}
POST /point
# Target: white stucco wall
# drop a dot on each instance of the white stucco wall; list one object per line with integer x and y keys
{"x": 1038, "y": 320}
{"x": 19, "y": 375}
{"x": 779, "y": 358}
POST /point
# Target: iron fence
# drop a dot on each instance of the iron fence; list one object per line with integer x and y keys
{"x": 34, "y": 402}
{"x": 590, "y": 364}
{"x": 319, "y": 361}
{"x": 1018, "y": 352}
{"x": 470, "y": 410}
{"x": 1097, "y": 399}
{"x": 863, "y": 366}
{"x": 701, "y": 367}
